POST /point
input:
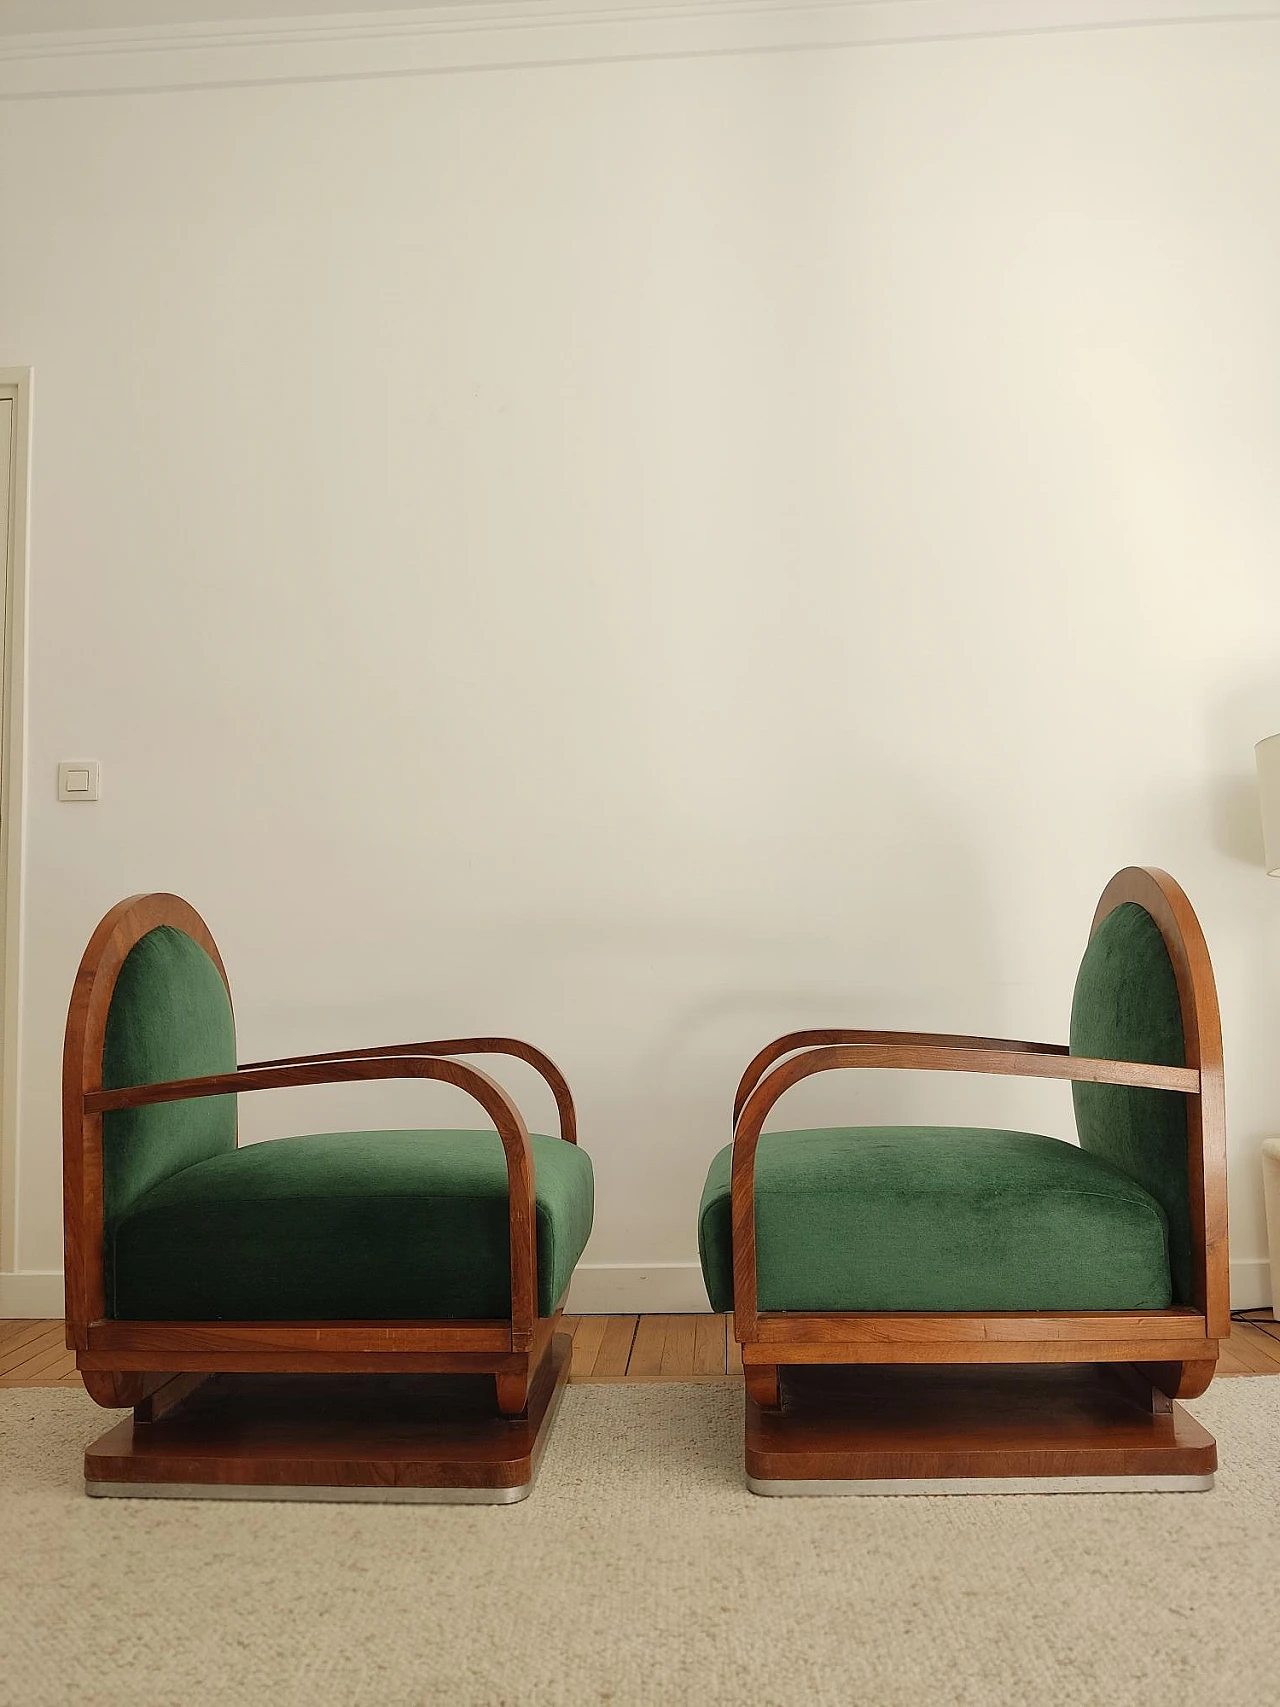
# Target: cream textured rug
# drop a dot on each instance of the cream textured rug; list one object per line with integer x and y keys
{"x": 641, "y": 1574}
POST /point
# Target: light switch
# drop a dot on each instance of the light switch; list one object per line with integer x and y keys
{"x": 78, "y": 779}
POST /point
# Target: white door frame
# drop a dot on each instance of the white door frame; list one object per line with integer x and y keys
{"x": 15, "y": 384}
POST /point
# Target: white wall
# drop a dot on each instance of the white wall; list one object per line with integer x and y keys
{"x": 644, "y": 555}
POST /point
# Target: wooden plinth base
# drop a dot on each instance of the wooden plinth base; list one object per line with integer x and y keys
{"x": 409, "y": 1438}
{"x": 928, "y": 1429}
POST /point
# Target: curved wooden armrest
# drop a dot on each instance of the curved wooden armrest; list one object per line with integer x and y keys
{"x": 929, "y": 1058}
{"x": 513, "y": 1046}
{"x": 486, "y": 1091}
{"x": 793, "y": 1040}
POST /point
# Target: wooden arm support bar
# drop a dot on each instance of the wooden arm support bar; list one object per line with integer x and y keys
{"x": 794, "y": 1040}
{"x": 513, "y": 1046}
{"x": 969, "y": 1056}
{"x": 486, "y": 1091}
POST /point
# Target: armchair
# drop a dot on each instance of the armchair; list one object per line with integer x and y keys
{"x": 1004, "y": 1309}
{"x": 231, "y": 1294}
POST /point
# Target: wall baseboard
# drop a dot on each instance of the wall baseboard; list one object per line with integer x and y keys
{"x": 598, "y": 1289}
{"x": 31, "y": 1294}
{"x": 496, "y": 34}
{"x": 636, "y": 1288}
{"x": 675, "y": 1288}
{"x": 1250, "y": 1283}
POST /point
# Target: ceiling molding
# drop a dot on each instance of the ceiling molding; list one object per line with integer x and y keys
{"x": 497, "y": 34}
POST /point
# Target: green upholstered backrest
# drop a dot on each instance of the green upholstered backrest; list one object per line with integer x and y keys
{"x": 1126, "y": 1008}
{"x": 170, "y": 1018}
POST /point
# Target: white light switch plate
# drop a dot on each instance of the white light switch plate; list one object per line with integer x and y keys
{"x": 78, "y": 779}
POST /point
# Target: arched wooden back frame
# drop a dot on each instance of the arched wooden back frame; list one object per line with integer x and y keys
{"x": 109, "y": 1351}
{"x": 1164, "y": 900}
{"x": 1177, "y": 1347}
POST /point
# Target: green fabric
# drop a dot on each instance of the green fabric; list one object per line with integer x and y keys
{"x": 170, "y": 1018}
{"x": 937, "y": 1218}
{"x": 346, "y": 1226}
{"x": 1126, "y": 1008}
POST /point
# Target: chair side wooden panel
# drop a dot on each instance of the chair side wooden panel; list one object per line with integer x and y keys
{"x": 1164, "y": 899}
{"x": 82, "y": 1167}
{"x": 1178, "y": 1344}
{"x": 121, "y": 1358}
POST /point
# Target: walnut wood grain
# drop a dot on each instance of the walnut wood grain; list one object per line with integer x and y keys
{"x": 1135, "y": 1349}
{"x": 762, "y": 1384}
{"x": 813, "y": 1038}
{"x": 1181, "y": 1380}
{"x": 1165, "y": 901}
{"x": 171, "y": 1392}
{"x": 118, "y": 1389}
{"x": 125, "y": 1362}
{"x": 513, "y": 1387}
{"x": 512, "y": 1392}
{"x": 320, "y": 1360}
{"x": 1178, "y": 1323}
{"x": 938, "y": 1424}
{"x": 95, "y": 982}
{"x": 110, "y": 1338}
{"x": 513, "y": 1046}
{"x": 906, "y": 1057}
{"x": 1173, "y": 1350}
{"x": 338, "y": 1431}
{"x": 486, "y": 1091}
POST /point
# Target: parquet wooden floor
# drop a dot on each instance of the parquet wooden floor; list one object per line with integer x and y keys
{"x": 605, "y": 1348}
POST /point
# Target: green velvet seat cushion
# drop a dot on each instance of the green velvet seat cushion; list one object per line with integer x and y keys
{"x": 937, "y": 1218}
{"x": 345, "y": 1226}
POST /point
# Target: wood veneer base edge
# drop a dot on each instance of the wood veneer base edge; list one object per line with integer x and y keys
{"x": 500, "y": 1468}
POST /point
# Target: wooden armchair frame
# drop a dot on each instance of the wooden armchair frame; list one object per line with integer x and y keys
{"x": 1176, "y": 1349}
{"x": 130, "y": 1362}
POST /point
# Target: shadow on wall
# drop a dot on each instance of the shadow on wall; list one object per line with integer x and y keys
{"x": 888, "y": 937}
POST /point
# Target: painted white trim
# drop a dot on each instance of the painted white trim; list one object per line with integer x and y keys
{"x": 1250, "y": 1283}
{"x": 676, "y": 1288}
{"x": 33, "y": 1294}
{"x": 598, "y": 1289}
{"x": 511, "y": 33}
{"x": 632, "y": 1288}
{"x": 14, "y": 569}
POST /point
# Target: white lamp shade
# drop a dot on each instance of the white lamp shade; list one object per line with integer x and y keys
{"x": 1268, "y": 754}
